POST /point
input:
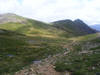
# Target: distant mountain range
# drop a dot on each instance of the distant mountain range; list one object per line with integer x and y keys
{"x": 96, "y": 26}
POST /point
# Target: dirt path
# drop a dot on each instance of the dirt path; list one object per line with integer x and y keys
{"x": 46, "y": 69}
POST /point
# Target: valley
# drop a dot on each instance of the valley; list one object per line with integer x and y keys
{"x": 30, "y": 47}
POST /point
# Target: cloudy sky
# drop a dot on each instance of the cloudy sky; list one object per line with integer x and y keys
{"x": 52, "y": 10}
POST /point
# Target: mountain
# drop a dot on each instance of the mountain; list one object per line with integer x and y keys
{"x": 96, "y": 27}
{"x": 76, "y": 27}
{"x": 32, "y": 27}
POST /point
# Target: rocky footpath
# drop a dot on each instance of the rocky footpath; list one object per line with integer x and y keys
{"x": 44, "y": 67}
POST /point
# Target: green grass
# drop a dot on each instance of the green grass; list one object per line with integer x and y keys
{"x": 80, "y": 64}
{"x": 85, "y": 38}
{"x": 11, "y": 26}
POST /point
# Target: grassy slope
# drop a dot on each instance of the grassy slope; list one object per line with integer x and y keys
{"x": 17, "y": 51}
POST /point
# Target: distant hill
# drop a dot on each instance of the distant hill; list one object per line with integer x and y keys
{"x": 77, "y": 27}
{"x": 97, "y": 27}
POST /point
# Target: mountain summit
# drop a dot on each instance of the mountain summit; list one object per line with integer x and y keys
{"x": 9, "y": 17}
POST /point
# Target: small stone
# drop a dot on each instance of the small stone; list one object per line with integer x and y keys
{"x": 37, "y": 62}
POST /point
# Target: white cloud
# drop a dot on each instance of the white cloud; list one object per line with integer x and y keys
{"x": 51, "y": 10}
